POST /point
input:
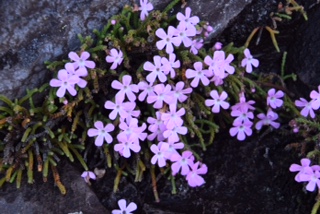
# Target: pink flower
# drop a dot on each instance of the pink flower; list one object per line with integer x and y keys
{"x": 125, "y": 88}
{"x": 157, "y": 70}
{"x": 307, "y": 107}
{"x": 198, "y": 74}
{"x": 147, "y": 90}
{"x": 159, "y": 154}
{"x": 196, "y": 45}
{"x": 65, "y": 82}
{"x": 217, "y": 101}
{"x": 132, "y": 130}
{"x": 304, "y": 168}
{"x": 249, "y": 61}
{"x": 119, "y": 107}
{"x": 180, "y": 93}
{"x": 157, "y": 127}
{"x": 172, "y": 134}
{"x": 81, "y": 62}
{"x": 172, "y": 150}
{"x": 102, "y": 132}
{"x": 219, "y": 64}
{"x": 81, "y": 72}
{"x": 131, "y": 112}
{"x": 126, "y": 145}
{"x": 115, "y": 58}
{"x": 218, "y": 46}
{"x": 268, "y": 119}
{"x": 184, "y": 34}
{"x": 315, "y": 96}
{"x": 313, "y": 180}
{"x": 193, "y": 177}
{"x": 273, "y": 99}
{"x": 182, "y": 162}
{"x": 145, "y": 7}
{"x": 187, "y": 20}
{"x": 167, "y": 39}
{"x": 87, "y": 175}
{"x": 170, "y": 64}
{"x": 242, "y": 116}
{"x": 162, "y": 94}
{"x": 241, "y": 130}
{"x": 173, "y": 118}
{"x": 243, "y": 105}
{"x": 124, "y": 208}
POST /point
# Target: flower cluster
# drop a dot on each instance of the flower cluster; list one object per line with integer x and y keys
{"x": 307, "y": 173}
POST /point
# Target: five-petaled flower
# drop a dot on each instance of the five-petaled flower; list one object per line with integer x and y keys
{"x": 217, "y": 101}
{"x": 102, "y": 133}
{"x": 115, "y": 58}
{"x": 193, "y": 177}
{"x": 82, "y": 62}
{"x": 307, "y": 107}
{"x": 249, "y": 61}
{"x": 167, "y": 39}
{"x": 125, "y": 88}
{"x": 124, "y": 209}
{"x": 145, "y": 7}
{"x": 65, "y": 82}
{"x": 198, "y": 74}
{"x": 274, "y": 98}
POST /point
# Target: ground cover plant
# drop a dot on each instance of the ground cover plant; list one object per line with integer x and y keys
{"x": 148, "y": 95}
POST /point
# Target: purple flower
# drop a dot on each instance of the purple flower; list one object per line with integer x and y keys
{"x": 218, "y": 64}
{"x": 119, "y": 107}
{"x": 115, "y": 58}
{"x": 273, "y": 99}
{"x": 126, "y": 145}
{"x": 172, "y": 134}
{"x": 170, "y": 64}
{"x": 124, "y": 209}
{"x": 243, "y": 105}
{"x": 268, "y": 119}
{"x": 198, "y": 74}
{"x": 307, "y": 107}
{"x": 196, "y": 45}
{"x": 304, "y": 168}
{"x": 147, "y": 90}
{"x": 218, "y": 46}
{"x": 132, "y": 131}
{"x": 156, "y": 69}
{"x": 81, "y": 72}
{"x": 193, "y": 177}
{"x": 162, "y": 94}
{"x": 172, "y": 150}
{"x": 87, "y": 175}
{"x": 126, "y": 88}
{"x": 82, "y": 62}
{"x": 249, "y": 61}
{"x": 217, "y": 101}
{"x": 65, "y": 82}
{"x": 157, "y": 127}
{"x": 241, "y": 130}
{"x": 102, "y": 132}
{"x": 182, "y": 162}
{"x": 167, "y": 39}
{"x": 131, "y": 112}
{"x": 145, "y": 7}
{"x": 180, "y": 93}
{"x": 315, "y": 96}
{"x": 313, "y": 180}
{"x": 184, "y": 34}
{"x": 173, "y": 118}
{"x": 187, "y": 20}
{"x": 159, "y": 153}
{"x": 242, "y": 116}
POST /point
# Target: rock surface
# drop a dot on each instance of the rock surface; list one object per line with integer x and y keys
{"x": 35, "y": 31}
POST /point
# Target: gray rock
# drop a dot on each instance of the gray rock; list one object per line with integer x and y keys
{"x": 35, "y": 31}
{"x": 45, "y": 198}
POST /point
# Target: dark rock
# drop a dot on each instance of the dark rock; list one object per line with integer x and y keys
{"x": 32, "y": 32}
{"x": 42, "y": 197}
{"x": 304, "y": 55}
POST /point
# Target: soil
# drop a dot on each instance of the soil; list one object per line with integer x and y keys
{"x": 243, "y": 177}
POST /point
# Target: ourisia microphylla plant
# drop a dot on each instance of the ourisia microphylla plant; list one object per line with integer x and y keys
{"x": 145, "y": 97}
